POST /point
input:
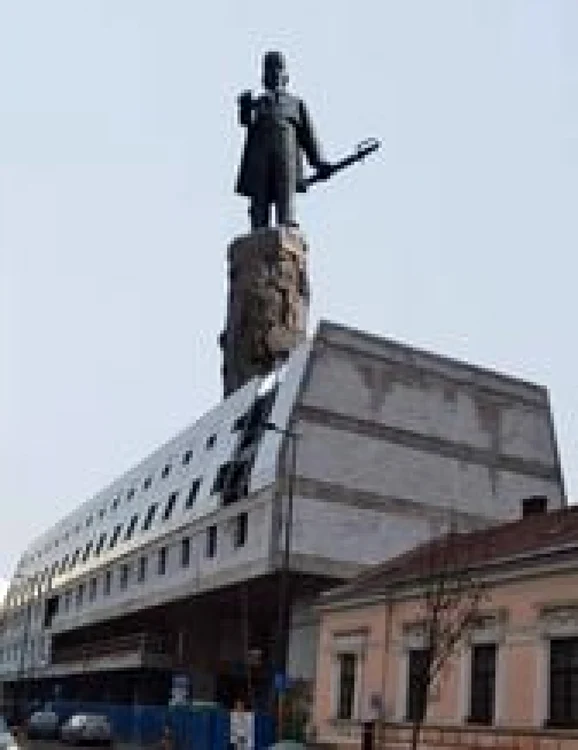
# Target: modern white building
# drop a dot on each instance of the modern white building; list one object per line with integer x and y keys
{"x": 184, "y": 563}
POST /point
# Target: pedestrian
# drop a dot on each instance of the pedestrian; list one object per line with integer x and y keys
{"x": 167, "y": 741}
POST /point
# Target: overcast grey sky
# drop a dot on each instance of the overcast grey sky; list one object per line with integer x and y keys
{"x": 118, "y": 148}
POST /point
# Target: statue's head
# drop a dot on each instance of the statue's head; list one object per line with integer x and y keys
{"x": 275, "y": 75}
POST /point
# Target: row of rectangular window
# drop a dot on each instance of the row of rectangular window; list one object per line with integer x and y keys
{"x": 562, "y": 688}
{"x": 70, "y": 562}
{"x": 239, "y": 540}
{"x": 13, "y": 651}
{"x": 482, "y": 683}
{"x": 186, "y": 459}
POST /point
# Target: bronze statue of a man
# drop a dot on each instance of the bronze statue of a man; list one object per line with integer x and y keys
{"x": 279, "y": 131}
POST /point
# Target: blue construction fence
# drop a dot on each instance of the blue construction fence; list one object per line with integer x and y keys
{"x": 192, "y": 728}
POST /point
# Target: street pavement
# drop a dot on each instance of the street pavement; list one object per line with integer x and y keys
{"x": 27, "y": 744}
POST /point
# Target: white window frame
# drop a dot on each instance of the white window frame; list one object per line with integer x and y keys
{"x": 555, "y": 622}
{"x": 413, "y": 638}
{"x": 348, "y": 643}
{"x": 490, "y": 631}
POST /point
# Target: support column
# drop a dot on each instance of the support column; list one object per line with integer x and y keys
{"x": 268, "y": 303}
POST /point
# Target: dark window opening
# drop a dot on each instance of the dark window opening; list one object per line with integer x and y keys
{"x": 130, "y": 494}
{"x": 166, "y": 471}
{"x": 563, "y": 682}
{"x": 170, "y": 505}
{"x": 162, "y": 561}
{"x": 74, "y": 558}
{"x": 241, "y": 528}
{"x": 211, "y": 541}
{"x": 193, "y": 492}
{"x": 115, "y": 535}
{"x": 222, "y": 477}
{"x": 107, "y": 582}
{"x": 347, "y": 665}
{"x": 187, "y": 456}
{"x": 131, "y": 527}
{"x": 417, "y": 684}
{"x": 147, "y": 483}
{"x": 232, "y": 481}
{"x": 87, "y": 551}
{"x": 483, "y": 683}
{"x": 100, "y": 544}
{"x": 124, "y": 576}
{"x": 149, "y": 516}
{"x": 253, "y": 422}
{"x": 142, "y": 568}
{"x": 50, "y": 611}
{"x": 185, "y": 552}
{"x": 210, "y": 442}
{"x": 80, "y": 595}
{"x": 92, "y": 589}
{"x": 115, "y": 503}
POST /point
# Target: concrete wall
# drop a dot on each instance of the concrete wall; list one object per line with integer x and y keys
{"x": 386, "y": 419}
{"x": 339, "y": 532}
{"x": 303, "y": 637}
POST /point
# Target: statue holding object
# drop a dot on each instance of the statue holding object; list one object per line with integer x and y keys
{"x": 279, "y": 134}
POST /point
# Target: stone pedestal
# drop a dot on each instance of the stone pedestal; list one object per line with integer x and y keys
{"x": 267, "y": 305}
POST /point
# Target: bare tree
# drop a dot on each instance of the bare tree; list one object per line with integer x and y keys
{"x": 452, "y": 599}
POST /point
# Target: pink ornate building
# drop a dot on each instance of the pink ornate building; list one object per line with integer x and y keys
{"x": 513, "y": 679}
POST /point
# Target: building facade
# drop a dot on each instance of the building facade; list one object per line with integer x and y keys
{"x": 355, "y": 449}
{"x": 513, "y": 672}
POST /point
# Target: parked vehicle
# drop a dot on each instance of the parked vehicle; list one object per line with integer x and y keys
{"x": 87, "y": 729}
{"x": 7, "y": 740}
{"x": 43, "y": 725}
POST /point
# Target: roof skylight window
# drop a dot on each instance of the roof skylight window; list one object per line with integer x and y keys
{"x": 149, "y": 517}
{"x": 170, "y": 505}
{"x": 100, "y": 544}
{"x": 131, "y": 527}
{"x": 115, "y": 535}
{"x": 193, "y": 492}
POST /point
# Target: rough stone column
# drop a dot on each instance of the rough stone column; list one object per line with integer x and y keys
{"x": 267, "y": 305}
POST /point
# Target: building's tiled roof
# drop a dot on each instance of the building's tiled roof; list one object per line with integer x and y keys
{"x": 533, "y": 535}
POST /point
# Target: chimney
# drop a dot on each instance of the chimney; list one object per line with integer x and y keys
{"x": 536, "y": 505}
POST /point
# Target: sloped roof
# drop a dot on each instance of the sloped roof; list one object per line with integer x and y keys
{"x": 169, "y": 479}
{"x": 535, "y": 535}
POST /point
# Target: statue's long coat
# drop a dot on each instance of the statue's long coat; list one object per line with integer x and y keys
{"x": 279, "y": 133}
